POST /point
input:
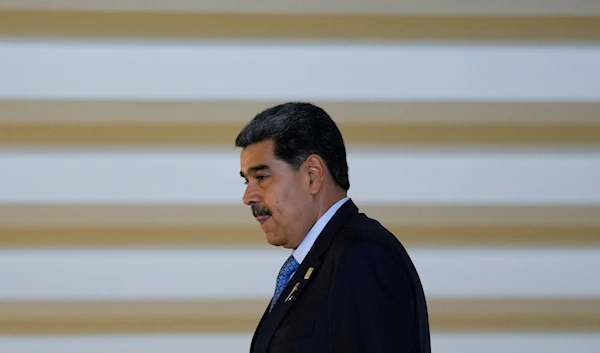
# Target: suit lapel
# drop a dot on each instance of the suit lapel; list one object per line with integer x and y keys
{"x": 300, "y": 280}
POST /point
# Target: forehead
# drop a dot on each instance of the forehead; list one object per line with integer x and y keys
{"x": 258, "y": 154}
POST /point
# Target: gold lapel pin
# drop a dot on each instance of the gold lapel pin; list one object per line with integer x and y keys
{"x": 308, "y": 273}
{"x": 290, "y": 296}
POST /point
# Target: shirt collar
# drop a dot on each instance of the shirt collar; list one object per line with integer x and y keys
{"x": 302, "y": 250}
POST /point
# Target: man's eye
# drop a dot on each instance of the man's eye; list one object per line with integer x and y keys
{"x": 261, "y": 177}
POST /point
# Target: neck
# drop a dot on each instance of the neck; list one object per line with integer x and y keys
{"x": 328, "y": 200}
{"x": 323, "y": 204}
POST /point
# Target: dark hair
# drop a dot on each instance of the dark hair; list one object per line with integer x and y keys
{"x": 299, "y": 129}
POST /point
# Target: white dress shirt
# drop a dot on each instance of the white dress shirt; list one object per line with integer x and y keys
{"x": 302, "y": 250}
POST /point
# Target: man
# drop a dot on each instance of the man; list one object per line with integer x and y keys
{"x": 349, "y": 285}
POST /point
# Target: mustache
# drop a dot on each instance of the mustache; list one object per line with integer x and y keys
{"x": 260, "y": 211}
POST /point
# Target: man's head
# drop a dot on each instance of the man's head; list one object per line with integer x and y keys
{"x": 294, "y": 162}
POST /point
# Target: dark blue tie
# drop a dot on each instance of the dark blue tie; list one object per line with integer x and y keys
{"x": 289, "y": 267}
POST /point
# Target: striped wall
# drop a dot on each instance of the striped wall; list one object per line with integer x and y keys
{"x": 475, "y": 139}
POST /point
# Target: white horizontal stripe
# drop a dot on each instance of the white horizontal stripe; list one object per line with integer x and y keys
{"x": 213, "y": 343}
{"x": 328, "y": 71}
{"x": 250, "y": 274}
{"x": 431, "y": 7}
{"x": 377, "y": 176}
{"x": 551, "y": 342}
{"x": 133, "y": 274}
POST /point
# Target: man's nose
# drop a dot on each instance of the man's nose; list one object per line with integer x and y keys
{"x": 250, "y": 195}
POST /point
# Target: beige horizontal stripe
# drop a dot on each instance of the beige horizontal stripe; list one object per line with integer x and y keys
{"x": 157, "y": 226}
{"x": 515, "y": 315}
{"x": 144, "y": 237}
{"x": 111, "y": 215}
{"x": 313, "y": 27}
{"x": 22, "y": 317}
{"x": 128, "y": 317}
{"x": 224, "y": 134}
{"x": 92, "y": 123}
{"x": 237, "y": 113}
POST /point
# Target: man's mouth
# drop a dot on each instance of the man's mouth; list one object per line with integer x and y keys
{"x": 262, "y": 214}
{"x": 262, "y": 219}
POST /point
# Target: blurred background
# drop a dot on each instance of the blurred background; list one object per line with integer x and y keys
{"x": 473, "y": 132}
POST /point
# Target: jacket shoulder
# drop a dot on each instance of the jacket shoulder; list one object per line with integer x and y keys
{"x": 363, "y": 230}
{"x": 365, "y": 239}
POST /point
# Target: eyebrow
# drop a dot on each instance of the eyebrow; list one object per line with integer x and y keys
{"x": 255, "y": 169}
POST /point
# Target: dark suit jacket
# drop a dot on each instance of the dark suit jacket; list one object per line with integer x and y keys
{"x": 363, "y": 295}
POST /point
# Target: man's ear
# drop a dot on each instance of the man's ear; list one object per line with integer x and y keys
{"x": 316, "y": 172}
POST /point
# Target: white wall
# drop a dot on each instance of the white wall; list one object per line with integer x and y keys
{"x": 378, "y": 176}
{"x": 235, "y": 343}
{"x": 313, "y": 71}
{"x": 179, "y": 69}
{"x": 459, "y": 272}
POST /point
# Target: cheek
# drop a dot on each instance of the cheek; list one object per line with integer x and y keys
{"x": 281, "y": 201}
{"x": 287, "y": 202}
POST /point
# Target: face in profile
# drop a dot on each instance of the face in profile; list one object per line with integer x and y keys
{"x": 279, "y": 196}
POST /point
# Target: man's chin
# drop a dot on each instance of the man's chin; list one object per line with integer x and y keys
{"x": 273, "y": 239}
